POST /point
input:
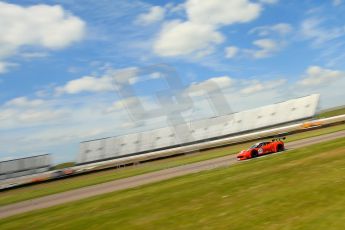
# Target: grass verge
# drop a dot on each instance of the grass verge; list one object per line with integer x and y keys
{"x": 299, "y": 189}
{"x": 39, "y": 190}
{"x": 331, "y": 113}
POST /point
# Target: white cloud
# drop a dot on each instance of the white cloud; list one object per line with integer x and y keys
{"x": 183, "y": 38}
{"x": 282, "y": 28}
{"x": 255, "y": 86}
{"x": 175, "y": 8}
{"x": 28, "y": 111}
{"x": 155, "y": 14}
{"x": 5, "y": 66}
{"x": 38, "y": 25}
{"x": 266, "y": 48}
{"x": 124, "y": 76}
{"x": 200, "y": 32}
{"x": 316, "y": 75}
{"x": 311, "y": 28}
{"x": 24, "y": 102}
{"x": 231, "y": 51}
{"x": 155, "y": 75}
{"x": 279, "y": 29}
{"x": 33, "y": 116}
{"x": 32, "y": 55}
{"x": 6, "y": 114}
{"x": 108, "y": 82}
{"x": 122, "y": 104}
{"x": 210, "y": 85}
{"x": 222, "y": 12}
{"x": 87, "y": 84}
{"x": 269, "y": 1}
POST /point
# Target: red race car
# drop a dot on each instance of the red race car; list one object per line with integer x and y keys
{"x": 262, "y": 148}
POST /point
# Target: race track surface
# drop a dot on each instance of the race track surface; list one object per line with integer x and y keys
{"x": 147, "y": 178}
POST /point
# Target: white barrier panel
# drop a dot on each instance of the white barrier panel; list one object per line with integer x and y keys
{"x": 24, "y": 166}
{"x": 231, "y": 124}
{"x": 208, "y": 144}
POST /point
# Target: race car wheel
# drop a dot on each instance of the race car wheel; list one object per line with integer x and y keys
{"x": 280, "y": 148}
{"x": 254, "y": 154}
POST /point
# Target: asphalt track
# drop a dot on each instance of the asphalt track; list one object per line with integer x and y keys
{"x": 131, "y": 182}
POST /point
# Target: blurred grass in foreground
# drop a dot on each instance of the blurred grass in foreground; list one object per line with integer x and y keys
{"x": 298, "y": 189}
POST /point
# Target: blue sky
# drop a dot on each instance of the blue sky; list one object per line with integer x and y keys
{"x": 58, "y": 60}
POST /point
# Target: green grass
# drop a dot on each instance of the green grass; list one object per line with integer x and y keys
{"x": 64, "y": 165}
{"x": 332, "y": 113}
{"x": 316, "y": 132}
{"x": 299, "y": 189}
{"x": 39, "y": 190}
